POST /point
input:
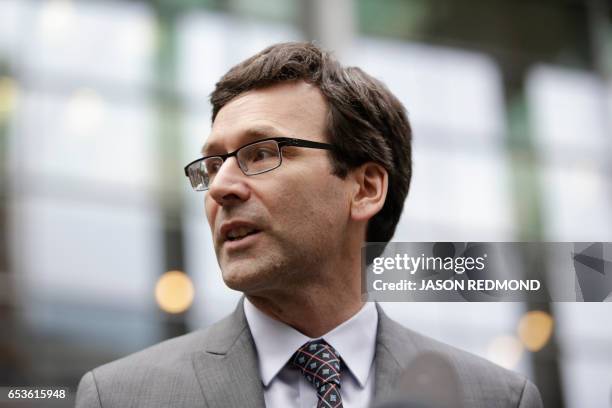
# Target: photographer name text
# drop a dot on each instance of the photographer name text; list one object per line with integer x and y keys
{"x": 456, "y": 285}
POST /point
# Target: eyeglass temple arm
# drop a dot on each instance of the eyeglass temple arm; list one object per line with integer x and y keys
{"x": 306, "y": 143}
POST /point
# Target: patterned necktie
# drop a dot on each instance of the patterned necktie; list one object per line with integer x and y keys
{"x": 320, "y": 364}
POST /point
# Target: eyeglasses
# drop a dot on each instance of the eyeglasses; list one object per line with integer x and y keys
{"x": 253, "y": 158}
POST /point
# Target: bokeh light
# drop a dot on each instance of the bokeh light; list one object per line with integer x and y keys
{"x": 55, "y": 20}
{"x": 137, "y": 38}
{"x": 174, "y": 292}
{"x": 8, "y": 96}
{"x": 85, "y": 112}
{"x": 535, "y": 329}
{"x": 505, "y": 351}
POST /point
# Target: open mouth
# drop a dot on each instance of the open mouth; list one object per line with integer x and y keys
{"x": 237, "y": 234}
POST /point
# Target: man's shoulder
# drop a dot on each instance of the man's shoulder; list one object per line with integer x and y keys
{"x": 478, "y": 379}
{"x": 178, "y": 351}
{"x": 174, "y": 352}
{"x": 404, "y": 338}
{"x": 158, "y": 374}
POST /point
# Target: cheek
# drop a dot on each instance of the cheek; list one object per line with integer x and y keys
{"x": 317, "y": 207}
{"x": 334, "y": 206}
{"x": 211, "y": 210}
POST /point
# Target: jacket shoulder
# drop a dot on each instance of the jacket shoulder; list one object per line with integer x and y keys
{"x": 176, "y": 352}
{"x": 481, "y": 382}
{"x": 160, "y": 375}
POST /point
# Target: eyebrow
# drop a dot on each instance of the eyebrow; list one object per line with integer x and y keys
{"x": 249, "y": 135}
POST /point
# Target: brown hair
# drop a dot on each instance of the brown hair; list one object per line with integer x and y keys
{"x": 366, "y": 121}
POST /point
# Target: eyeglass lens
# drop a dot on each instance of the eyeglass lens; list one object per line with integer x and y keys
{"x": 252, "y": 159}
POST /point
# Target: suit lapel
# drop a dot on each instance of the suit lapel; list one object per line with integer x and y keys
{"x": 388, "y": 367}
{"x": 227, "y": 368}
{"x": 229, "y": 376}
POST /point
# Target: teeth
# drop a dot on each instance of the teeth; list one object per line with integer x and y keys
{"x": 239, "y": 232}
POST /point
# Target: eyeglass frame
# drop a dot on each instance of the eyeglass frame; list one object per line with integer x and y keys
{"x": 280, "y": 141}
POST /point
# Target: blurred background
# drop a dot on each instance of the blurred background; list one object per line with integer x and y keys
{"x": 104, "y": 248}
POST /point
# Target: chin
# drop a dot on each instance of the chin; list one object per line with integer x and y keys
{"x": 246, "y": 276}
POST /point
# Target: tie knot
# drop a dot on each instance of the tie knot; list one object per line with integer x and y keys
{"x": 319, "y": 363}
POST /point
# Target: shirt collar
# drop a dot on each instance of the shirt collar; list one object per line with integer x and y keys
{"x": 355, "y": 341}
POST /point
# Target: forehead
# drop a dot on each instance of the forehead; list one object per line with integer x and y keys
{"x": 294, "y": 109}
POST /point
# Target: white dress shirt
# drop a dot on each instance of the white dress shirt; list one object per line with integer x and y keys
{"x": 285, "y": 386}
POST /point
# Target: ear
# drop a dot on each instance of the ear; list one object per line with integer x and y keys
{"x": 371, "y": 183}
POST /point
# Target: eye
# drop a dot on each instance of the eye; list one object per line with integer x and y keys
{"x": 212, "y": 166}
{"x": 263, "y": 153}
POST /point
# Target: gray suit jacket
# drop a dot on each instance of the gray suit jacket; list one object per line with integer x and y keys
{"x": 217, "y": 367}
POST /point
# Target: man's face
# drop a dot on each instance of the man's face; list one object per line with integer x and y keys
{"x": 298, "y": 213}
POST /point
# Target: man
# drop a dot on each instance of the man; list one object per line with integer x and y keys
{"x": 306, "y": 160}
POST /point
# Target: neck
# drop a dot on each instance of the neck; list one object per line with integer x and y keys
{"x": 312, "y": 318}
{"x": 319, "y": 306}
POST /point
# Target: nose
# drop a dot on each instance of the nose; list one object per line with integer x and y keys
{"x": 229, "y": 187}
